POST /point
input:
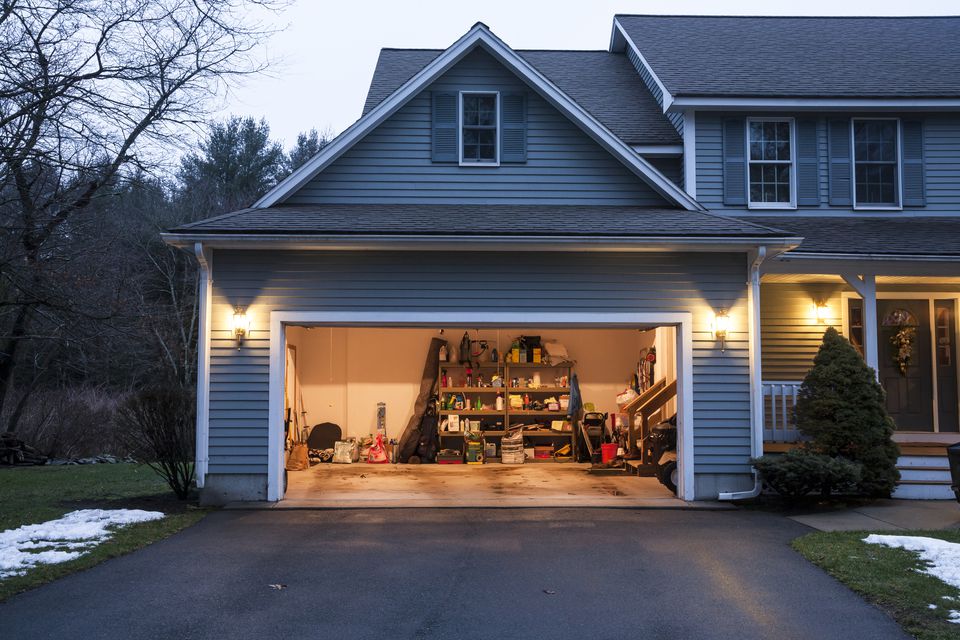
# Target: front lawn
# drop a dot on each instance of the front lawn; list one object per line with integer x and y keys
{"x": 30, "y": 495}
{"x": 889, "y": 578}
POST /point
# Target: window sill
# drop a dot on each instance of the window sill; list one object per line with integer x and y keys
{"x": 479, "y": 164}
{"x": 760, "y": 206}
{"x": 879, "y": 207}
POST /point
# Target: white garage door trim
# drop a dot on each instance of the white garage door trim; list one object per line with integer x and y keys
{"x": 681, "y": 320}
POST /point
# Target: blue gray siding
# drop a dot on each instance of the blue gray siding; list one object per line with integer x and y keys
{"x": 592, "y": 282}
{"x": 941, "y": 134}
{"x": 392, "y": 164}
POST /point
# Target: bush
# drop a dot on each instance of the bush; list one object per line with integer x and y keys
{"x": 157, "y": 426}
{"x": 799, "y": 472}
{"x": 72, "y": 422}
{"x": 840, "y": 409}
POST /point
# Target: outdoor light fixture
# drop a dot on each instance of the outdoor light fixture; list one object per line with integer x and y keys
{"x": 821, "y": 311}
{"x": 721, "y": 323}
{"x": 241, "y": 325}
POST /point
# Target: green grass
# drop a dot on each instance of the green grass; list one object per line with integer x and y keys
{"x": 888, "y": 578}
{"x": 30, "y": 495}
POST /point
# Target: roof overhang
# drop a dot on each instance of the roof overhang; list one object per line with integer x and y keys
{"x": 338, "y": 242}
{"x": 481, "y": 36}
{"x": 721, "y": 103}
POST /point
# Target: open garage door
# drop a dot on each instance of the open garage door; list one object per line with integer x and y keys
{"x": 363, "y": 375}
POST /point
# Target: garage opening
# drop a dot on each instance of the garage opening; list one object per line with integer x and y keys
{"x": 489, "y": 416}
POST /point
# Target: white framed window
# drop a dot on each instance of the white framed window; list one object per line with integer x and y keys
{"x": 479, "y": 128}
{"x": 876, "y": 163}
{"x": 771, "y": 163}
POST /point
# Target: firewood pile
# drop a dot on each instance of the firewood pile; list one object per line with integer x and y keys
{"x": 16, "y": 452}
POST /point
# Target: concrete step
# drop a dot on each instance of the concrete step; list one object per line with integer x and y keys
{"x": 910, "y": 490}
{"x": 925, "y": 474}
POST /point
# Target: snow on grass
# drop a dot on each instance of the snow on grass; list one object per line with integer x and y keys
{"x": 62, "y": 539}
{"x": 942, "y": 559}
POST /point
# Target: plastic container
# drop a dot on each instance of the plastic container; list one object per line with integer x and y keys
{"x": 608, "y": 452}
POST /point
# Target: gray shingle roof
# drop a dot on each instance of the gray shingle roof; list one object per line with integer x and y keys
{"x": 801, "y": 57}
{"x": 478, "y": 220}
{"x": 603, "y": 83}
{"x": 894, "y": 236}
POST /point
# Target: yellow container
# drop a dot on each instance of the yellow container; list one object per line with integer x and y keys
{"x": 536, "y": 355}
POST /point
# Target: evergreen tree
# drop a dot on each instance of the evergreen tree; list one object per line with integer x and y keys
{"x": 841, "y": 409}
{"x": 309, "y": 144}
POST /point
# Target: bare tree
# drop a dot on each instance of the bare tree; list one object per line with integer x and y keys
{"x": 91, "y": 90}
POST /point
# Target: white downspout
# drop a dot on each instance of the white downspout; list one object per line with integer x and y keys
{"x": 203, "y": 366}
{"x": 756, "y": 378}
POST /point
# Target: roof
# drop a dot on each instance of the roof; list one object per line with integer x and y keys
{"x": 478, "y": 220}
{"x": 791, "y": 57}
{"x": 605, "y": 84}
{"x": 480, "y": 37}
{"x": 926, "y": 236}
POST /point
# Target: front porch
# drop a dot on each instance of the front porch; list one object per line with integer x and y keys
{"x": 902, "y": 317}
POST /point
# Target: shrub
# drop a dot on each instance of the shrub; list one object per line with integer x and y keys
{"x": 840, "y": 408}
{"x": 799, "y": 472}
{"x": 72, "y": 422}
{"x": 157, "y": 425}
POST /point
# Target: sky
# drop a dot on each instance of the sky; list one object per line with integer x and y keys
{"x": 324, "y": 56}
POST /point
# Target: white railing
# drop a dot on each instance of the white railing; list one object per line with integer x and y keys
{"x": 779, "y": 399}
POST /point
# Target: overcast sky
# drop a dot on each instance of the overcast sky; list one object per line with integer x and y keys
{"x": 327, "y": 51}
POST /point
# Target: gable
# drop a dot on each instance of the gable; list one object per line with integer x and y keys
{"x": 392, "y": 163}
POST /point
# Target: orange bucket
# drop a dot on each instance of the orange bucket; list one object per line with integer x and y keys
{"x": 608, "y": 452}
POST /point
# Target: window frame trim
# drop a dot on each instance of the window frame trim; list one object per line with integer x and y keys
{"x": 898, "y": 206}
{"x": 468, "y": 163}
{"x": 792, "y": 205}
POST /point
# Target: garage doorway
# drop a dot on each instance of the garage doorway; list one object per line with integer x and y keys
{"x": 350, "y": 363}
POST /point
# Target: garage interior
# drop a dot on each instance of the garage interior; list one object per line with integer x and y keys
{"x": 499, "y": 412}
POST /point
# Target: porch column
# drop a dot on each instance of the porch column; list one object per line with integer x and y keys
{"x": 866, "y": 287}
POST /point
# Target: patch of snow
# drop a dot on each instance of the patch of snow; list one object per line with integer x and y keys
{"x": 63, "y": 539}
{"x": 941, "y": 557}
{"x": 931, "y": 606}
{"x": 954, "y": 617}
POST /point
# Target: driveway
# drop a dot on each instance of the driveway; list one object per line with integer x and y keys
{"x": 445, "y": 573}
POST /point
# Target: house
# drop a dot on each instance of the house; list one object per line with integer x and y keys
{"x": 736, "y": 183}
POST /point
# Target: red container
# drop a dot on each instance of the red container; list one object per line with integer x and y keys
{"x": 608, "y": 452}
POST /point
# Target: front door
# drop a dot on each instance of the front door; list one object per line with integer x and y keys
{"x": 906, "y": 370}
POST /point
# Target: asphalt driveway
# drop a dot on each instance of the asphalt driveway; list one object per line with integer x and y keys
{"x": 538, "y": 573}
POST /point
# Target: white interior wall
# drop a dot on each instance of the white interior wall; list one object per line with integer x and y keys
{"x": 345, "y": 371}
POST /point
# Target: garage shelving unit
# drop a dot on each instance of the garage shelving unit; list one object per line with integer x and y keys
{"x": 493, "y": 423}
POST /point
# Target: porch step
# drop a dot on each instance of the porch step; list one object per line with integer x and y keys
{"x": 910, "y": 490}
{"x": 934, "y": 475}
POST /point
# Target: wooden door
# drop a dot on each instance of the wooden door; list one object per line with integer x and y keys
{"x": 906, "y": 370}
{"x": 945, "y": 336}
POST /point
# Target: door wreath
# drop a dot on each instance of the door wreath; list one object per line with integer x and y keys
{"x": 903, "y": 337}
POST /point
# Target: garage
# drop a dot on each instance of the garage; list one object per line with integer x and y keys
{"x": 479, "y": 416}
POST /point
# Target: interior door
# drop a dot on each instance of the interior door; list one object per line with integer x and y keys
{"x": 906, "y": 370}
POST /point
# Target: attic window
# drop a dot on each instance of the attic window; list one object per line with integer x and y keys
{"x": 479, "y": 118}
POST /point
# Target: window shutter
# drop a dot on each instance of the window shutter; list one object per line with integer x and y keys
{"x": 444, "y": 127}
{"x": 808, "y": 164}
{"x": 513, "y": 127}
{"x": 914, "y": 193}
{"x": 841, "y": 184}
{"x": 734, "y": 162}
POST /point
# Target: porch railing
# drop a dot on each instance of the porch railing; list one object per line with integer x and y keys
{"x": 779, "y": 399}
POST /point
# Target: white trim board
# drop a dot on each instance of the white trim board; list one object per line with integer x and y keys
{"x": 708, "y": 103}
{"x": 683, "y": 321}
{"x": 480, "y": 36}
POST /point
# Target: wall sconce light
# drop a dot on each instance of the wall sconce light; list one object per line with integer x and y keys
{"x": 721, "y": 323}
{"x": 821, "y": 311}
{"x": 241, "y": 325}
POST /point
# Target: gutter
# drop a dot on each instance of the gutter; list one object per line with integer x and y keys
{"x": 756, "y": 383}
{"x": 886, "y": 257}
{"x": 476, "y": 243}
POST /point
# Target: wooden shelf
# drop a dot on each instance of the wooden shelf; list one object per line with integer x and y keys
{"x": 531, "y": 412}
{"x": 472, "y": 390}
{"x": 475, "y": 365}
{"x": 538, "y": 390}
{"x": 539, "y": 365}
{"x": 549, "y": 434}
{"x": 471, "y": 412}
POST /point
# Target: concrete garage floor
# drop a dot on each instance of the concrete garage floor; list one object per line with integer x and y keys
{"x": 491, "y": 485}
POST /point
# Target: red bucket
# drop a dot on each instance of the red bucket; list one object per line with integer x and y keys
{"x": 608, "y": 452}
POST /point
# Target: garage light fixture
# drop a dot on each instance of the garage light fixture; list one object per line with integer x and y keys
{"x": 241, "y": 324}
{"x": 721, "y": 323}
{"x": 821, "y": 311}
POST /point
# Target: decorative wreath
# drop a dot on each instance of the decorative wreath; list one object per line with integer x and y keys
{"x": 903, "y": 341}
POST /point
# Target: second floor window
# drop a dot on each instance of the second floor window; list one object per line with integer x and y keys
{"x": 770, "y": 160}
{"x": 478, "y": 128}
{"x": 876, "y": 165}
